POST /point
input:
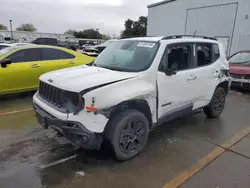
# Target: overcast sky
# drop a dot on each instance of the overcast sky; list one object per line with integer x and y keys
{"x": 60, "y": 15}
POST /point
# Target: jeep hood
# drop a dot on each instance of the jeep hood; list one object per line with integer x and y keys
{"x": 79, "y": 78}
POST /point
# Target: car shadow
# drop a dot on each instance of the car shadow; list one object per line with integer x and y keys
{"x": 16, "y": 96}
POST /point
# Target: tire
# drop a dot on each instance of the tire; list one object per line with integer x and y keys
{"x": 217, "y": 104}
{"x": 128, "y": 133}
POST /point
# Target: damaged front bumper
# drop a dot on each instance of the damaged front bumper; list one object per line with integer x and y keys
{"x": 73, "y": 131}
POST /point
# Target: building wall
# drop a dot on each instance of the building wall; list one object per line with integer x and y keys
{"x": 23, "y": 36}
{"x": 183, "y": 16}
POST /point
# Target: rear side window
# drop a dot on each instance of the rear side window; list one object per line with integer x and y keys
{"x": 55, "y": 54}
{"x": 25, "y": 55}
{"x": 204, "y": 54}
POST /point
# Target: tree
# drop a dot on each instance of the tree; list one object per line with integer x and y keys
{"x": 105, "y": 37}
{"x": 3, "y": 27}
{"x": 70, "y": 31}
{"x": 135, "y": 28}
{"x": 26, "y": 27}
{"x": 87, "y": 33}
{"x": 92, "y": 34}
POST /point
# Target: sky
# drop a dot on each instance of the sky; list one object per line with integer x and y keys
{"x": 60, "y": 15}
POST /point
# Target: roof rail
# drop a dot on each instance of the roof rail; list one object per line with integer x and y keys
{"x": 191, "y": 36}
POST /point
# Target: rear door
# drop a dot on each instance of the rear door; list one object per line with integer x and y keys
{"x": 57, "y": 59}
{"x": 207, "y": 71}
{"x": 23, "y": 72}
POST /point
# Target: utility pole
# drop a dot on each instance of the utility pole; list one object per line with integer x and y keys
{"x": 97, "y": 32}
{"x": 11, "y": 31}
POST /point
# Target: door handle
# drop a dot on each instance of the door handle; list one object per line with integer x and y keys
{"x": 35, "y": 66}
{"x": 191, "y": 78}
{"x": 71, "y": 62}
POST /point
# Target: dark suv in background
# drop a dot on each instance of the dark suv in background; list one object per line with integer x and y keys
{"x": 54, "y": 42}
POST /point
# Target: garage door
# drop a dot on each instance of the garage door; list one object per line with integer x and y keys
{"x": 216, "y": 21}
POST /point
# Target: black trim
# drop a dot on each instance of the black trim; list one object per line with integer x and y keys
{"x": 83, "y": 92}
{"x": 171, "y": 115}
{"x": 157, "y": 100}
{"x": 166, "y": 104}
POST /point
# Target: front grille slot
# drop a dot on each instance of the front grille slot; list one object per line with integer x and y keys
{"x": 65, "y": 101}
{"x": 51, "y": 94}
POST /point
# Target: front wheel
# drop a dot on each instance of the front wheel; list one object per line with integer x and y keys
{"x": 217, "y": 104}
{"x": 128, "y": 134}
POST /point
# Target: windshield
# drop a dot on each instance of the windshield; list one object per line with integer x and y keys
{"x": 108, "y": 42}
{"x": 128, "y": 56}
{"x": 240, "y": 58}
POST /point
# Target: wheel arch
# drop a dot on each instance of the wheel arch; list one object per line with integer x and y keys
{"x": 224, "y": 85}
{"x": 136, "y": 104}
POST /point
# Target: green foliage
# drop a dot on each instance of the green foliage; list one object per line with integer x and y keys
{"x": 88, "y": 34}
{"x": 105, "y": 37}
{"x": 135, "y": 28}
{"x": 3, "y": 27}
{"x": 26, "y": 27}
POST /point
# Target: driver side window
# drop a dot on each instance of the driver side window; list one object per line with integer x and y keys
{"x": 177, "y": 57}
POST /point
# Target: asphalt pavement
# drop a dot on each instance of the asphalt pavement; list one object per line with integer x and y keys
{"x": 33, "y": 157}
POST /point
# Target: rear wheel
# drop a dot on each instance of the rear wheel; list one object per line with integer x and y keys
{"x": 217, "y": 104}
{"x": 128, "y": 134}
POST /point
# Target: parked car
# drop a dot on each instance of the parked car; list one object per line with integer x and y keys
{"x": 4, "y": 45}
{"x": 97, "y": 49}
{"x": 133, "y": 86}
{"x": 85, "y": 46}
{"x": 21, "y": 66}
{"x": 240, "y": 69}
{"x": 54, "y": 42}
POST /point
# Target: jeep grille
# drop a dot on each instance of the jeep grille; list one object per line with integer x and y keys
{"x": 58, "y": 97}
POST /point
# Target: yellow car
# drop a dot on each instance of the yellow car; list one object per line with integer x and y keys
{"x": 21, "y": 66}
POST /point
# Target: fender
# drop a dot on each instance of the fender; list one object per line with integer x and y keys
{"x": 111, "y": 95}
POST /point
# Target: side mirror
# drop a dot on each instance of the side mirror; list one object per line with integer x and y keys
{"x": 5, "y": 62}
{"x": 170, "y": 72}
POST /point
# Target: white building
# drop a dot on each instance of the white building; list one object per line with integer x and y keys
{"x": 24, "y": 36}
{"x": 227, "y": 20}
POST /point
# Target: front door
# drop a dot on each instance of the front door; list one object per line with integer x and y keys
{"x": 175, "y": 91}
{"x": 22, "y": 73}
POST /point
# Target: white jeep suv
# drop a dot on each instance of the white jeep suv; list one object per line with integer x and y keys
{"x": 134, "y": 85}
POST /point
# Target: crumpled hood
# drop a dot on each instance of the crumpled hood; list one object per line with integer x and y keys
{"x": 83, "y": 77}
{"x": 240, "y": 69}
